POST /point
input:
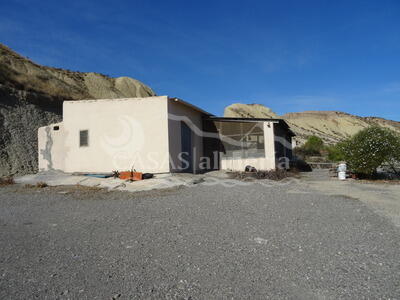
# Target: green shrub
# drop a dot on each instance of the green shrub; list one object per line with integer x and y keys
{"x": 335, "y": 152}
{"x": 313, "y": 146}
{"x": 370, "y": 148}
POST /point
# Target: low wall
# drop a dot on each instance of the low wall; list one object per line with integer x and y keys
{"x": 237, "y": 164}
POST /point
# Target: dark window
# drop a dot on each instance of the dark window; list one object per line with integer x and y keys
{"x": 56, "y": 128}
{"x": 83, "y": 138}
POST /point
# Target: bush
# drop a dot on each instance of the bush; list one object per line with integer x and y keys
{"x": 314, "y": 143}
{"x": 313, "y": 146}
{"x": 335, "y": 152}
{"x": 371, "y": 148}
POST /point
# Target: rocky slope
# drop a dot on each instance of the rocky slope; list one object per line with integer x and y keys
{"x": 31, "y": 96}
{"x": 331, "y": 126}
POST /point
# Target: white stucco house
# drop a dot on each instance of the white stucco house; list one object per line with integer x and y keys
{"x": 158, "y": 135}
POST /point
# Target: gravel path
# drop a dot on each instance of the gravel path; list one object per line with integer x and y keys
{"x": 203, "y": 242}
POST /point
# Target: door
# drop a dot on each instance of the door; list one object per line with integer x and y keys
{"x": 186, "y": 149}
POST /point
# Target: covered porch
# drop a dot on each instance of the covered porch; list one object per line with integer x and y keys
{"x": 240, "y": 142}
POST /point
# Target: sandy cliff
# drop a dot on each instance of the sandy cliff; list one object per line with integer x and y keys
{"x": 31, "y": 96}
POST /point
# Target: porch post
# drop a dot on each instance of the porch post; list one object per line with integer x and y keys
{"x": 269, "y": 145}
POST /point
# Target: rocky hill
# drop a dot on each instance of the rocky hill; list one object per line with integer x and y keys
{"x": 331, "y": 126}
{"x": 31, "y": 96}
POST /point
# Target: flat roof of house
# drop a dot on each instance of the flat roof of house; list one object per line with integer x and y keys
{"x": 190, "y": 105}
{"x": 231, "y": 119}
{"x": 141, "y": 98}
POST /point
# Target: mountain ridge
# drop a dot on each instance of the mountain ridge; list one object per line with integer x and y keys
{"x": 331, "y": 126}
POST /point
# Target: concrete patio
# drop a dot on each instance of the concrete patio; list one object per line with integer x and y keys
{"x": 160, "y": 181}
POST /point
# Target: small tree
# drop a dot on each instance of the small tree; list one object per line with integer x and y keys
{"x": 370, "y": 148}
{"x": 313, "y": 145}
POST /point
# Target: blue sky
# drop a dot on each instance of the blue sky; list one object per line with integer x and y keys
{"x": 288, "y": 55}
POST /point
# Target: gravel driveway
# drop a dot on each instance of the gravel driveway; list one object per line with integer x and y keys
{"x": 203, "y": 242}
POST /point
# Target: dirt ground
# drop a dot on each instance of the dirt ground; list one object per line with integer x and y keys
{"x": 302, "y": 238}
{"x": 383, "y": 197}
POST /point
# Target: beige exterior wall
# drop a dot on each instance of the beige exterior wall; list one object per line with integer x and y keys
{"x": 178, "y": 112}
{"x": 52, "y": 147}
{"x": 143, "y": 133}
{"x": 122, "y": 133}
{"x": 261, "y": 163}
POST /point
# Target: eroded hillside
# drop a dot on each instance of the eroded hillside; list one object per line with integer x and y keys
{"x": 31, "y": 96}
{"x": 331, "y": 126}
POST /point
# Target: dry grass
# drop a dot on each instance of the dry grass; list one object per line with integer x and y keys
{"x": 6, "y": 181}
{"x": 39, "y": 185}
{"x": 277, "y": 174}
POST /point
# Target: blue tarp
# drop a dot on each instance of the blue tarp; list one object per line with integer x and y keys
{"x": 99, "y": 175}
